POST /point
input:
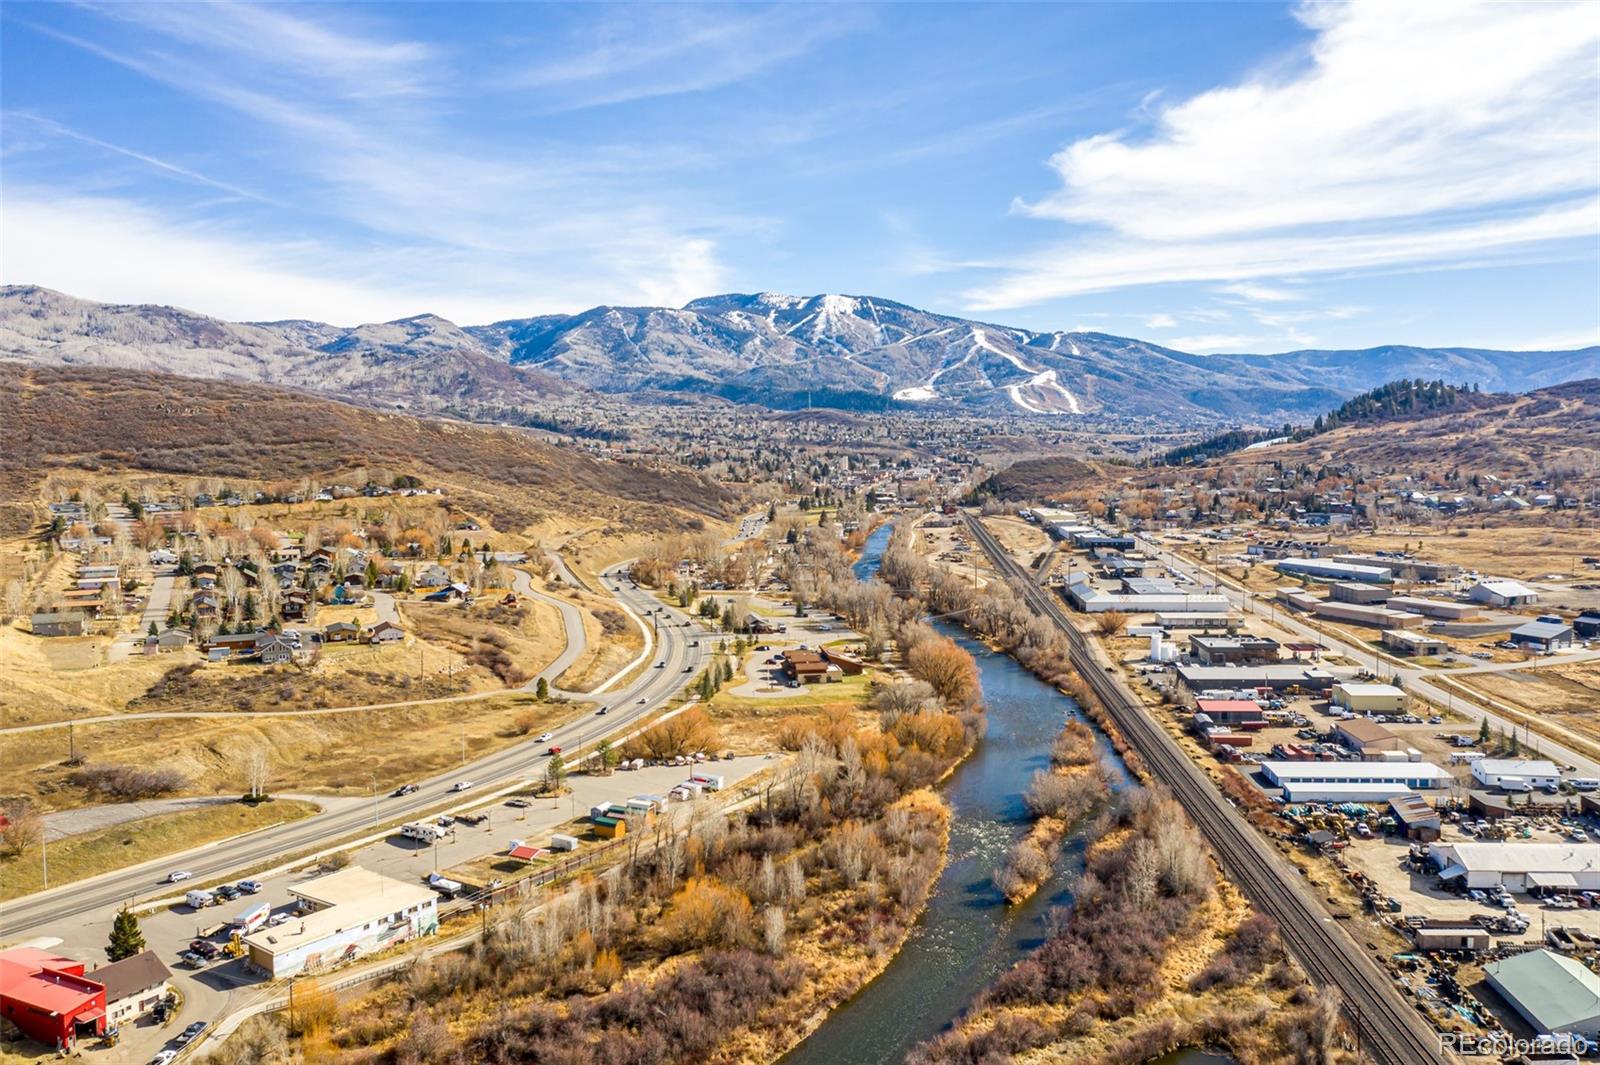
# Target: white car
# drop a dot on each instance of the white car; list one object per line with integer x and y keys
{"x": 1578, "y": 835}
{"x": 544, "y": 737}
{"x": 278, "y": 918}
{"x": 164, "y": 1058}
{"x": 179, "y": 875}
{"x": 461, "y": 785}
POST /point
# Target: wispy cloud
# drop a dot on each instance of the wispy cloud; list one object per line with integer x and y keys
{"x": 1477, "y": 137}
{"x": 1259, "y": 293}
{"x": 648, "y": 51}
{"x": 1160, "y": 321}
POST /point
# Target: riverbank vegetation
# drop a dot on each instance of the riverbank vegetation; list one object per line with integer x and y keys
{"x": 716, "y": 938}
{"x": 1156, "y": 952}
{"x": 1057, "y": 799}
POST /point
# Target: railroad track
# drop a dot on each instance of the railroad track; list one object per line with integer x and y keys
{"x": 1388, "y": 1029}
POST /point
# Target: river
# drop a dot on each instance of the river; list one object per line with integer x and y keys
{"x": 967, "y": 936}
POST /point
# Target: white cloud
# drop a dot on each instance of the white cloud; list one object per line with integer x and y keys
{"x": 1419, "y": 133}
{"x": 1160, "y": 321}
{"x": 1258, "y": 293}
{"x": 1212, "y": 343}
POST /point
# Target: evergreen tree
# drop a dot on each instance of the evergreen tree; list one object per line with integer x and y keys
{"x": 153, "y": 631}
{"x": 543, "y": 690}
{"x": 1483, "y": 731}
{"x": 555, "y": 772}
{"x": 608, "y": 755}
{"x": 126, "y": 938}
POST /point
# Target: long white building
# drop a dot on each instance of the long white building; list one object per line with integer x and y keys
{"x": 1520, "y": 866}
{"x": 1352, "y": 781}
{"x": 1498, "y": 772}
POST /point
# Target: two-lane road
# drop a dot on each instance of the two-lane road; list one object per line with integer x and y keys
{"x": 680, "y": 648}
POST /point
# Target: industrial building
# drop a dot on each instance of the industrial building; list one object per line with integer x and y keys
{"x": 1437, "y": 933}
{"x": 1520, "y": 866}
{"x": 1234, "y": 713}
{"x": 1413, "y": 643}
{"x": 1410, "y": 568}
{"x": 1546, "y": 634}
{"x": 1086, "y": 597}
{"x": 343, "y": 916}
{"x": 1500, "y": 772}
{"x": 1443, "y": 609}
{"x": 1381, "y": 617}
{"x": 1555, "y": 994}
{"x": 1352, "y": 781}
{"x": 1327, "y": 570}
{"x": 1281, "y": 677}
{"x": 1226, "y": 622}
{"x": 1232, "y": 650}
{"x": 1363, "y": 735}
{"x": 48, "y": 998}
{"x": 1416, "y": 818}
{"x": 1502, "y": 593}
{"x": 1369, "y": 698}
{"x": 1357, "y": 592}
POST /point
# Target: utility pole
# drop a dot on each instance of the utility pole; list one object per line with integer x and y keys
{"x": 44, "y": 856}
{"x": 374, "y": 802}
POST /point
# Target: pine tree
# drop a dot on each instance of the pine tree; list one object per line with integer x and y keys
{"x": 126, "y": 939}
{"x": 543, "y": 690}
{"x": 1483, "y": 731}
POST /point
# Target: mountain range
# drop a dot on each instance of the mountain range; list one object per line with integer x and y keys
{"x": 852, "y": 352}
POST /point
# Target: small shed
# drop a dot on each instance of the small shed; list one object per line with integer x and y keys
{"x": 609, "y": 827}
{"x": 1440, "y": 934}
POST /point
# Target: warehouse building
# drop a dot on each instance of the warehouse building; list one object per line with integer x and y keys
{"x": 1520, "y": 866}
{"x": 1433, "y": 608}
{"x": 48, "y": 998}
{"x": 1499, "y": 772}
{"x": 344, "y": 915}
{"x": 1363, "y": 736}
{"x": 1416, "y": 819}
{"x": 1369, "y": 698}
{"x": 1357, "y": 592}
{"x": 1411, "y": 568}
{"x": 1555, "y": 994}
{"x": 1502, "y": 593}
{"x": 1086, "y": 597}
{"x": 1226, "y": 622}
{"x": 1546, "y": 634}
{"x": 1280, "y": 677}
{"x": 1413, "y": 643}
{"x": 1235, "y": 713}
{"x": 1324, "y": 569}
{"x": 1352, "y": 781}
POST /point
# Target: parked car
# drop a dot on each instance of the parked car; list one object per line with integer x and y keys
{"x": 279, "y": 918}
{"x": 520, "y": 804}
{"x": 190, "y": 1032}
{"x": 164, "y": 1057}
{"x": 249, "y": 887}
{"x": 228, "y": 891}
{"x": 178, "y": 876}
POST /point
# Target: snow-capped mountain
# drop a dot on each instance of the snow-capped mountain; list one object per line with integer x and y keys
{"x": 782, "y": 351}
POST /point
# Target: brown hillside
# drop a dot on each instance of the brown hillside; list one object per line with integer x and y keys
{"x": 112, "y": 420}
{"x": 1549, "y": 433}
{"x": 1039, "y": 479}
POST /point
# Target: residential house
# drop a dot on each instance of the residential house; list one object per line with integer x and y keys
{"x": 340, "y": 632}
{"x": 64, "y": 623}
{"x": 275, "y": 649}
{"x": 385, "y": 632}
{"x": 134, "y": 986}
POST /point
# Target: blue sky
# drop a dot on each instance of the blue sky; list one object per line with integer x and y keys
{"x": 1234, "y": 177}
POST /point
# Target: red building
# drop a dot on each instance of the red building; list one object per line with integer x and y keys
{"x": 48, "y": 998}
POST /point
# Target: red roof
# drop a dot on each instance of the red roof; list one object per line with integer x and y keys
{"x": 1214, "y": 706}
{"x": 526, "y": 853}
{"x": 45, "y": 981}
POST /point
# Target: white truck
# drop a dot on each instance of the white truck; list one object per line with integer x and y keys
{"x": 252, "y": 918}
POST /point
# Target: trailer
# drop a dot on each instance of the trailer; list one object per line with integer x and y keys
{"x": 199, "y": 899}
{"x": 558, "y": 842}
{"x": 424, "y": 831}
{"x": 444, "y": 885}
{"x": 252, "y": 918}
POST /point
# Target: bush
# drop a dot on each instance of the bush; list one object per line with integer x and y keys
{"x": 124, "y": 783}
{"x": 1064, "y": 797}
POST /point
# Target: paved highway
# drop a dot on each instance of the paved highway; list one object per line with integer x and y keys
{"x": 656, "y": 688}
{"x": 1390, "y": 1030}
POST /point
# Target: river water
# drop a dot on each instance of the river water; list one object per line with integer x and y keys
{"x": 967, "y": 935}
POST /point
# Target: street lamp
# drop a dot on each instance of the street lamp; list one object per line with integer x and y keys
{"x": 374, "y": 780}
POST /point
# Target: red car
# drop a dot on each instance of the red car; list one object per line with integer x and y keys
{"x": 555, "y": 750}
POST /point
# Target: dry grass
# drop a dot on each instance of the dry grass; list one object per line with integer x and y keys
{"x": 1568, "y": 695}
{"x": 324, "y": 753}
{"x": 92, "y": 853}
{"x": 1522, "y": 547}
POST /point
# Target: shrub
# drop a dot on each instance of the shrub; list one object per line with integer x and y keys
{"x": 125, "y": 783}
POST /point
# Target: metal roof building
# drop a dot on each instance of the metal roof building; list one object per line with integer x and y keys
{"x": 1398, "y": 776}
{"x": 1520, "y": 866}
{"x": 1552, "y": 992}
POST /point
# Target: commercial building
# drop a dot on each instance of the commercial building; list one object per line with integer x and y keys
{"x": 1362, "y": 735}
{"x": 807, "y": 667}
{"x": 1413, "y": 643}
{"x": 1380, "y": 617}
{"x": 1086, "y": 597}
{"x": 1546, "y": 634}
{"x": 1502, "y": 593}
{"x": 1555, "y": 994}
{"x": 1369, "y": 698}
{"x": 1352, "y": 781}
{"x": 1282, "y": 677}
{"x": 133, "y": 986}
{"x": 1234, "y": 713}
{"x": 1436, "y": 933}
{"x": 1499, "y": 772}
{"x": 48, "y": 998}
{"x": 1433, "y": 608}
{"x": 1226, "y": 622}
{"x": 1357, "y": 592}
{"x": 1587, "y": 626}
{"x": 1520, "y": 866}
{"x": 1406, "y": 568}
{"x": 343, "y": 916}
{"x": 1232, "y": 650}
{"x": 1327, "y": 570}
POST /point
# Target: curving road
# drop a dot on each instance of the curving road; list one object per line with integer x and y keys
{"x": 680, "y": 649}
{"x": 571, "y": 620}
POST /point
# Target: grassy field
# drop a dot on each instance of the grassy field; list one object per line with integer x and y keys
{"x": 749, "y": 723}
{"x": 92, "y": 853}
{"x": 1566, "y": 694}
{"x": 323, "y": 753}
